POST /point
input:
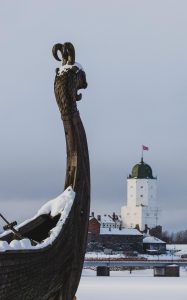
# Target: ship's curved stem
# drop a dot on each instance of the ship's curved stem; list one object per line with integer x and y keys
{"x": 67, "y": 83}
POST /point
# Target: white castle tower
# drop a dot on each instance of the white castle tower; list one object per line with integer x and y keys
{"x": 141, "y": 208}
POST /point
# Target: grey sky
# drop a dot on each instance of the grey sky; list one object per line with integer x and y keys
{"x": 135, "y": 56}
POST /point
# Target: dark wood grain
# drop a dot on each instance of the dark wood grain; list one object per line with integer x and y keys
{"x": 53, "y": 273}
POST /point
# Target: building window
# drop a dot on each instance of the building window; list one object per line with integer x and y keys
{"x": 141, "y": 195}
{"x": 147, "y": 215}
{"x": 141, "y": 186}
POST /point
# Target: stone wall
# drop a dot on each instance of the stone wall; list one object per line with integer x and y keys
{"x": 122, "y": 242}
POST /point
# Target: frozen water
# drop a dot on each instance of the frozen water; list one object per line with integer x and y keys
{"x": 139, "y": 285}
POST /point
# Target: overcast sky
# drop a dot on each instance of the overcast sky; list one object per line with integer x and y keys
{"x": 134, "y": 53}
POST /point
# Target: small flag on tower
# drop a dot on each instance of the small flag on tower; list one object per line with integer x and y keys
{"x": 145, "y": 148}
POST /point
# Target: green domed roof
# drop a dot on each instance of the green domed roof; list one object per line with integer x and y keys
{"x": 141, "y": 170}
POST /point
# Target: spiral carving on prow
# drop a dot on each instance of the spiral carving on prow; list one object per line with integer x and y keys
{"x": 67, "y": 51}
{"x": 70, "y": 50}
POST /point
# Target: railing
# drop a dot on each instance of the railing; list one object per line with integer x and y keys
{"x": 133, "y": 259}
{"x": 132, "y": 262}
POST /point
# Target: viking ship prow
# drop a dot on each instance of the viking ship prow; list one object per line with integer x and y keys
{"x": 43, "y": 257}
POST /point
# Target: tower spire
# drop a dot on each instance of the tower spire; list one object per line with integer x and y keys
{"x": 142, "y": 155}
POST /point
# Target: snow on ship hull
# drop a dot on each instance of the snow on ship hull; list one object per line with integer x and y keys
{"x": 53, "y": 272}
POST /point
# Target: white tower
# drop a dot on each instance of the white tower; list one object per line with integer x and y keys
{"x": 141, "y": 208}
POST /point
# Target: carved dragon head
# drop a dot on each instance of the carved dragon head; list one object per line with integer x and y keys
{"x": 70, "y": 77}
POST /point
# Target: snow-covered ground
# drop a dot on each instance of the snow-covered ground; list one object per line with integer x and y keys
{"x": 139, "y": 285}
{"x": 178, "y": 249}
{"x": 174, "y": 252}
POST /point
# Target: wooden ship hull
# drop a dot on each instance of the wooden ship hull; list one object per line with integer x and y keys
{"x": 53, "y": 272}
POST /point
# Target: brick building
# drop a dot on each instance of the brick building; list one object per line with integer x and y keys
{"x": 106, "y": 233}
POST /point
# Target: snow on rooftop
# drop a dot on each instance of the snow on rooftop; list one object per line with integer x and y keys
{"x": 152, "y": 240}
{"x": 117, "y": 231}
{"x": 60, "y": 205}
{"x": 107, "y": 219}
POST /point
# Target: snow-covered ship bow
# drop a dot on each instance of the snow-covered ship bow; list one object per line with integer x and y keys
{"x": 47, "y": 262}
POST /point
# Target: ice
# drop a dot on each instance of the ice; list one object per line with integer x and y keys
{"x": 139, "y": 285}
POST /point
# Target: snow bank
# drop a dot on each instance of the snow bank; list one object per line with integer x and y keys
{"x": 60, "y": 205}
